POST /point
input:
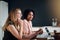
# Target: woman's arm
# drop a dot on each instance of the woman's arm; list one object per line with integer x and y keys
{"x": 34, "y": 34}
{"x": 21, "y": 28}
{"x": 14, "y": 32}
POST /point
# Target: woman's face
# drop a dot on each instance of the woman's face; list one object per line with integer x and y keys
{"x": 17, "y": 15}
{"x": 30, "y": 16}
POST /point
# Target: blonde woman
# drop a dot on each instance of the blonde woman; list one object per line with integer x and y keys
{"x": 13, "y": 28}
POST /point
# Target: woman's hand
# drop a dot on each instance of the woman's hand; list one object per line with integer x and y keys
{"x": 19, "y": 21}
{"x": 20, "y": 27}
{"x": 40, "y": 31}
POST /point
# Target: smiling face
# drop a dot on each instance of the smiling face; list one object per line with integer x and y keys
{"x": 15, "y": 14}
{"x": 18, "y": 14}
{"x": 30, "y": 16}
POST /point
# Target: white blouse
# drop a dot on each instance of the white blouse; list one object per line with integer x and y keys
{"x": 27, "y": 27}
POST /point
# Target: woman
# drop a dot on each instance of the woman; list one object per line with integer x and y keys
{"x": 13, "y": 28}
{"x": 27, "y": 24}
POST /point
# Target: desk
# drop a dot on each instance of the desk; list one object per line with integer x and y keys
{"x": 41, "y": 38}
{"x": 37, "y": 39}
{"x": 45, "y": 34}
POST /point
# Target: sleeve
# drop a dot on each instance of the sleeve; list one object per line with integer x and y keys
{"x": 25, "y": 29}
{"x": 10, "y": 23}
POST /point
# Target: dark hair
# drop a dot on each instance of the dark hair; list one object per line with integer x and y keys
{"x": 26, "y": 12}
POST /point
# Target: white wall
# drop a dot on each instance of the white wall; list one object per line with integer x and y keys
{"x": 3, "y": 15}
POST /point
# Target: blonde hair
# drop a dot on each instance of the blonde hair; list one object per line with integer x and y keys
{"x": 11, "y": 16}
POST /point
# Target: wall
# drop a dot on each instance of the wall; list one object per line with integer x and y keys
{"x": 3, "y": 15}
{"x": 41, "y": 13}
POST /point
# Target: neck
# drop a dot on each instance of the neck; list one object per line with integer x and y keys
{"x": 27, "y": 20}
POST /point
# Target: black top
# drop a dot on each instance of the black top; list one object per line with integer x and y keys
{"x": 8, "y": 35}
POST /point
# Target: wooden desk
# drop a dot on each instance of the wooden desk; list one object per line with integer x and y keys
{"x": 37, "y": 39}
{"x": 57, "y": 36}
{"x": 45, "y": 34}
{"x": 41, "y": 38}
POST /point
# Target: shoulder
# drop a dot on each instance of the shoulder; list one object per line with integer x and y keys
{"x": 30, "y": 21}
{"x": 10, "y": 27}
{"x": 10, "y": 23}
{"x": 25, "y": 21}
{"x": 21, "y": 20}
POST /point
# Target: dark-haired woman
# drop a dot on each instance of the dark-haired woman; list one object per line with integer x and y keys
{"x": 28, "y": 15}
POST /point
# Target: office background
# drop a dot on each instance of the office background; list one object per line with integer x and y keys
{"x": 42, "y": 16}
{"x": 45, "y": 10}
